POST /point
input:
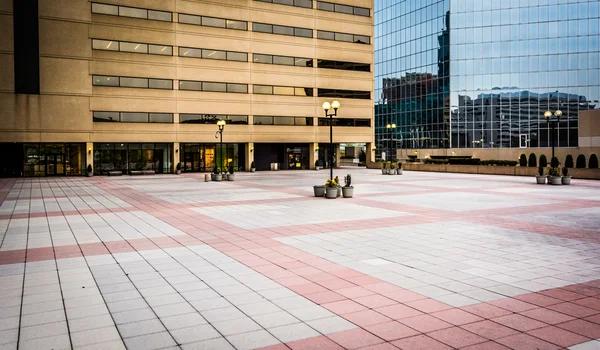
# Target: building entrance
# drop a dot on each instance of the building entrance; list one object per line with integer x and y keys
{"x": 55, "y": 164}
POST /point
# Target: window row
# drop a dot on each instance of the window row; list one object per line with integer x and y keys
{"x": 125, "y": 11}
{"x": 282, "y": 30}
{"x": 351, "y": 10}
{"x": 133, "y": 117}
{"x": 144, "y": 83}
{"x": 273, "y": 120}
{"x": 298, "y": 3}
{"x": 336, "y": 93}
{"x": 213, "y": 54}
{"x": 124, "y": 46}
{"x": 190, "y": 118}
{"x": 351, "y": 38}
{"x": 361, "y": 67}
{"x": 212, "y": 22}
{"x": 282, "y": 90}
{"x": 282, "y": 60}
{"x": 213, "y": 86}
{"x": 346, "y": 122}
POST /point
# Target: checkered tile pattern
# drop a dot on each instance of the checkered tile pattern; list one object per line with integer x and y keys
{"x": 418, "y": 261}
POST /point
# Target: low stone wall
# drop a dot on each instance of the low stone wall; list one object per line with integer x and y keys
{"x": 593, "y": 174}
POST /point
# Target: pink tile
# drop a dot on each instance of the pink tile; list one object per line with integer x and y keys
{"x": 558, "y": 336}
{"x": 456, "y": 337}
{"x": 366, "y": 318}
{"x": 591, "y": 302}
{"x": 344, "y": 307}
{"x": 403, "y": 295}
{"x": 383, "y": 346}
{"x": 488, "y": 345}
{"x": 519, "y": 322}
{"x": 546, "y": 315}
{"x": 354, "y": 292}
{"x": 489, "y": 329}
{"x": 391, "y": 330}
{"x": 374, "y": 301}
{"x": 538, "y": 299}
{"x": 337, "y": 284}
{"x": 428, "y": 305}
{"x": 513, "y": 305}
{"x": 456, "y": 316}
{"x": 398, "y": 311}
{"x": 486, "y": 310}
{"x": 324, "y": 297}
{"x": 355, "y": 338}
{"x": 583, "y": 327}
{"x": 275, "y": 347}
{"x": 574, "y": 310}
{"x": 526, "y": 342}
{"x": 420, "y": 342}
{"x": 425, "y": 323}
{"x": 308, "y": 288}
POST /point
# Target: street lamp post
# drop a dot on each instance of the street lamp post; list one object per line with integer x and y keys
{"x": 328, "y": 106}
{"x": 221, "y": 125}
{"x": 390, "y": 128}
{"x": 548, "y": 115}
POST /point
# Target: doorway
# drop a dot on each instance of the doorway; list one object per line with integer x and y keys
{"x": 523, "y": 140}
{"x": 55, "y": 164}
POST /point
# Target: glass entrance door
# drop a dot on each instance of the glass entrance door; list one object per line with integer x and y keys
{"x": 55, "y": 164}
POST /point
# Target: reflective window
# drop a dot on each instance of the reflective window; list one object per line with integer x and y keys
{"x": 282, "y": 120}
{"x": 166, "y": 84}
{"x": 337, "y": 93}
{"x": 134, "y": 82}
{"x": 362, "y": 67}
{"x": 297, "y": 3}
{"x": 133, "y": 47}
{"x": 341, "y": 8}
{"x": 108, "y": 45}
{"x": 133, "y": 12}
{"x": 101, "y": 80}
{"x": 112, "y": 45}
{"x": 215, "y": 87}
{"x": 345, "y": 122}
{"x": 353, "y": 38}
{"x": 132, "y": 117}
{"x": 282, "y": 60}
{"x": 186, "y": 118}
{"x": 190, "y": 85}
{"x": 237, "y": 88}
{"x": 106, "y": 116}
{"x": 213, "y": 54}
{"x": 160, "y": 118}
{"x": 282, "y": 30}
{"x": 282, "y": 90}
{"x": 210, "y": 86}
{"x": 212, "y": 22}
{"x": 263, "y": 89}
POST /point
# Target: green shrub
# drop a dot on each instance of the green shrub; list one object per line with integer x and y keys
{"x": 532, "y": 160}
{"x": 543, "y": 161}
{"x": 565, "y": 171}
{"x": 541, "y": 171}
{"x": 569, "y": 161}
{"x": 362, "y": 157}
{"x": 593, "y": 162}
{"x": 464, "y": 161}
{"x": 523, "y": 160}
{"x": 580, "y": 163}
{"x": 554, "y": 162}
{"x": 436, "y": 161}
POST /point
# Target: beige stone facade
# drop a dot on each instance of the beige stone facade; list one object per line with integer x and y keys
{"x": 63, "y": 111}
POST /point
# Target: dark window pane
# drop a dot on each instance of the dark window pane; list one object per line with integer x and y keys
{"x": 263, "y": 89}
{"x": 189, "y": 52}
{"x": 303, "y": 62}
{"x": 105, "y": 45}
{"x": 283, "y": 30}
{"x": 306, "y": 33}
{"x": 360, "y": 11}
{"x": 263, "y": 28}
{"x": 214, "y": 87}
{"x": 363, "y": 122}
{"x": 161, "y": 118}
{"x": 283, "y": 120}
{"x": 213, "y": 22}
{"x": 237, "y": 88}
{"x": 133, "y": 12}
{"x": 214, "y": 54}
{"x": 106, "y": 116}
{"x": 365, "y": 95}
{"x": 189, "y": 19}
{"x": 160, "y": 50}
{"x": 326, "y": 64}
{"x": 344, "y": 9}
{"x": 263, "y": 120}
{"x": 284, "y": 2}
{"x": 237, "y": 119}
{"x": 321, "y": 34}
{"x": 160, "y": 15}
{"x": 304, "y": 91}
{"x": 237, "y": 56}
{"x": 105, "y": 9}
{"x": 327, "y": 6}
{"x": 362, "y": 67}
{"x": 287, "y": 61}
{"x": 262, "y": 58}
{"x": 101, "y": 80}
{"x": 190, "y": 85}
{"x": 303, "y": 3}
{"x": 160, "y": 84}
{"x": 129, "y": 117}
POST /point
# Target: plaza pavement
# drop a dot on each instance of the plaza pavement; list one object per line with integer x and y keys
{"x": 418, "y": 261}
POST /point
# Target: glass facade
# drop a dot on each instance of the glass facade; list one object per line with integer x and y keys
{"x": 53, "y": 159}
{"x": 480, "y": 74}
{"x": 126, "y": 157}
{"x": 202, "y": 157}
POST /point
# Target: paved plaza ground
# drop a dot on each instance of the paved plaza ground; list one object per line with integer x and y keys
{"x": 418, "y": 261}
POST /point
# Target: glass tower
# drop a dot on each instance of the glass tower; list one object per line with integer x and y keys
{"x": 481, "y": 73}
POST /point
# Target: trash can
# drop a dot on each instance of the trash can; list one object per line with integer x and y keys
{"x": 274, "y": 166}
{"x": 206, "y": 177}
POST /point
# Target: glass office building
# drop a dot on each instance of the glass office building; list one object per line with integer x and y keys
{"x": 480, "y": 74}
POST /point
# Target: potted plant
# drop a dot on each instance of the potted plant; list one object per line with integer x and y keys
{"x": 178, "y": 169}
{"x": 555, "y": 178}
{"x": 392, "y": 170}
{"x": 541, "y": 179}
{"x": 89, "y": 171}
{"x": 231, "y": 175}
{"x": 384, "y": 170}
{"x": 319, "y": 190}
{"x": 399, "y": 170}
{"x": 216, "y": 175}
{"x": 317, "y": 167}
{"x": 331, "y": 189}
{"x": 339, "y": 188}
{"x": 348, "y": 189}
{"x": 253, "y": 167}
{"x": 566, "y": 179}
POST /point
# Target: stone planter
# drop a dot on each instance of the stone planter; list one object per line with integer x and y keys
{"x": 339, "y": 191}
{"x": 549, "y": 179}
{"x": 556, "y": 180}
{"x": 207, "y": 177}
{"x": 348, "y": 192}
{"x": 230, "y": 177}
{"x": 317, "y": 168}
{"x": 398, "y": 171}
{"x": 89, "y": 173}
{"x": 566, "y": 180}
{"x": 319, "y": 191}
{"x": 540, "y": 179}
{"x": 253, "y": 170}
{"x": 392, "y": 172}
{"x": 218, "y": 177}
{"x": 384, "y": 171}
{"x": 213, "y": 177}
{"x": 331, "y": 192}
{"x": 178, "y": 172}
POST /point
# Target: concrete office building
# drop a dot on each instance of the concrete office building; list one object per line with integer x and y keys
{"x": 464, "y": 77}
{"x": 140, "y": 84}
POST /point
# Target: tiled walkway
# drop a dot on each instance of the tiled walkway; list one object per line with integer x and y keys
{"x": 418, "y": 261}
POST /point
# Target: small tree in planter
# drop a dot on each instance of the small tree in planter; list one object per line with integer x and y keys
{"x": 331, "y": 189}
{"x": 532, "y": 160}
{"x": 569, "y": 161}
{"x": 399, "y": 170}
{"x": 523, "y": 160}
{"x": 543, "y": 161}
{"x": 253, "y": 167}
{"x": 541, "y": 179}
{"x": 580, "y": 164}
{"x": 317, "y": 166}
{"x": 566, "y": 179}
{"x": 593, "y": 162}
{"x": 178, "y": 169}
{"x": 231, "y": 175}
{"x": 348, "y": 189}
{"x": 555, "y": 178}
{"x": 216, "y": 175}
{"x": 554, "y": 162}
{"x": 384, "y": 170}
{"x": 392, "y": 169}
{"x": 89, "y": 171}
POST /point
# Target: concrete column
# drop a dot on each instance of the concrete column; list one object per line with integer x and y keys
{"x": 175, "y": 156}
{"x": 370, "y": 152}
{"x": 249, "y": 149}
{"x": 89, "y": 155}
{"x": 312, "y": 149}
{"x": 338, "y": 155}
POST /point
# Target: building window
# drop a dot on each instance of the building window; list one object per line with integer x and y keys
{"x": 363, "y": 95}
{"x": 346, "y": 122}
{"x": 297, "y": 3}
{"x": 282, "y": 90}
{"x": 361, "y": 67}
{"x": 212, "y": 119}
{"x": 213, "y": 22}
{"x": 133, "y": 12}
{"x": 277, "y": 120}
{"x": 213, "y": 86}
{"x": 132, "y": 117}
{"x": 351, "y": 10}
{"x": 127, "y": 157}
{"x": 282, "y": 30}
{"x": 213, "y": 54}
{"x": 124, "y": 46}
{"x": 351, "y": 38}
{"x": 144, "y": 83}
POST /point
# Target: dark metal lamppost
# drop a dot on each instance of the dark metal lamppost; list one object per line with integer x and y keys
{"x": 548, "y": 115}
{"x": 327, "y": 107}
{"x": 221, "y": 125}
{"x": 390, "y": 128}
